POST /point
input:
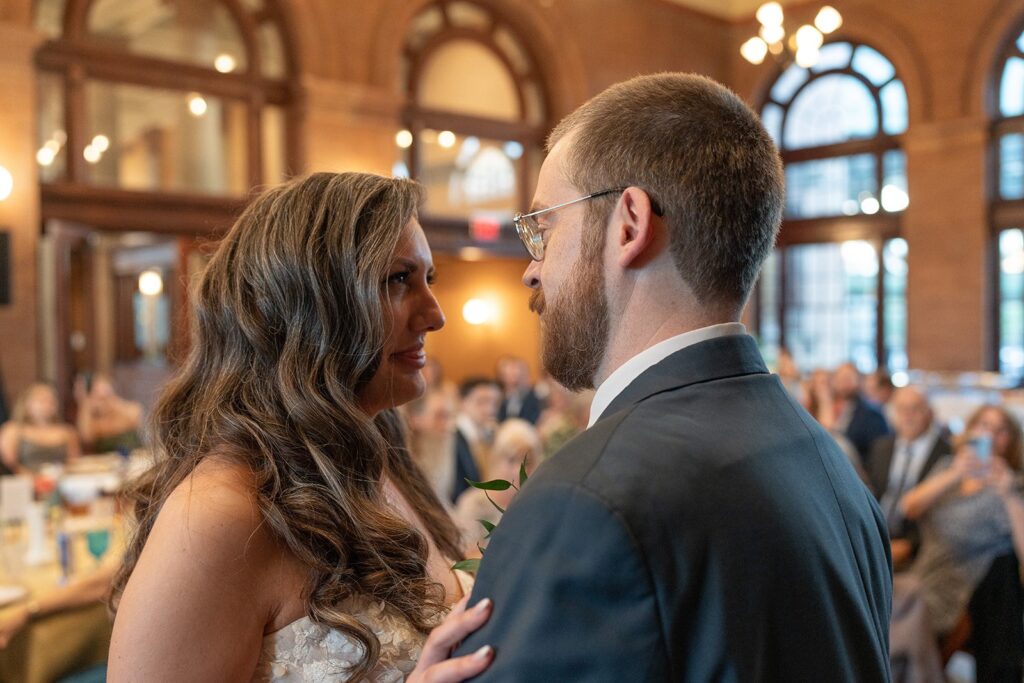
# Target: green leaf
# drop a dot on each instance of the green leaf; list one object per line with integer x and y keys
{"x": 470, "y": 566}
{"x": 480, "y": 548}
{"x": 496, "y": 506}
{"x": 493, "y": 485}
{"x": 522, "y": 472}
{"x": 487, "y": 525}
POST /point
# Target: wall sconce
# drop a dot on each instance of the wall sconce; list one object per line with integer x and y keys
{"x": 6, "y": 183}
{"x": 480, "y": 312}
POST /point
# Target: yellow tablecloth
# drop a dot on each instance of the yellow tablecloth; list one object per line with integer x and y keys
{"x": 66, "y": 642}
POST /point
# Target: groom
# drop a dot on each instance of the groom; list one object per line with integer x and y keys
{"x": 704, "y": 528}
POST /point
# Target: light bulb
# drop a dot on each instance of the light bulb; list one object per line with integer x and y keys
{"x": 225, "y": 63}
{"x": 869, "y": 206}
{"x": 770, "y": 14}
{"x": 807, "y": 57}
{"x": 196, "y": 104}
{"x": 894, "y": 199}
{"x": 808, "y": 38}
{"x": 101, "y": 143}
{"x": 772, "y": 34}
{"x": 150, "y": 283}
{"x": 403, "y": 139}
{"x": 446, "y": 139}
{"x": 45, "y": 156}
{"x": 754, "y": 50}
{"x": 91, "y": 154}
{"x": 828, "y": 19}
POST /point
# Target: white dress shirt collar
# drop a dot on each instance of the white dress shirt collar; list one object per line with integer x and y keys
{"x": 635, "y": 366}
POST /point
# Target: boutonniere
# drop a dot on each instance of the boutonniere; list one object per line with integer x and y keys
{"x": 493, "y": 485}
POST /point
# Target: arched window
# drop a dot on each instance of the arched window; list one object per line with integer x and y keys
{"x": 185, "y": 97}
{"x": 155, "y": 119}
{"x": 1008, "y": 203}
{"x": 474, "y": 124}
{"x": 835, "y": 288}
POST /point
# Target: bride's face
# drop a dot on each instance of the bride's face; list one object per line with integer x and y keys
{"x": 413, "y": 312}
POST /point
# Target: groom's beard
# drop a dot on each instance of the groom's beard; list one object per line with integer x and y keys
{"x": 574, "y": 327}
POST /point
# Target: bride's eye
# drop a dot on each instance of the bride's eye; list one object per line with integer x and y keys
{"x": 399, "y": 278}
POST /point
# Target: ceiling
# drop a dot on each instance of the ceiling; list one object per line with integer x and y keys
{"x": 728, "y": 9}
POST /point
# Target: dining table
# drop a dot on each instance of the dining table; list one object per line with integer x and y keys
{"x": 64, "y": 642}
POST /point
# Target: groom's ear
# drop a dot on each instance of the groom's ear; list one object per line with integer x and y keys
{"x": 636, "y": 230}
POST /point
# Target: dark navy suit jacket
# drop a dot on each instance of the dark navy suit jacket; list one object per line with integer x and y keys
{"x": 706, "y": 528}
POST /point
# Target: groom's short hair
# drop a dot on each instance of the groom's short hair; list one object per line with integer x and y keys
{"x": 703, "y": 156}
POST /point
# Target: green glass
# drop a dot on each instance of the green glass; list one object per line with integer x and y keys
{"x": 98, "y": 541}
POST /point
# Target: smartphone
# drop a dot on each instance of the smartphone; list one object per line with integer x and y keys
{"x": 982, "y": 445}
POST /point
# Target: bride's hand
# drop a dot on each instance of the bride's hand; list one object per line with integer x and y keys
{"x": 434, "y": 665}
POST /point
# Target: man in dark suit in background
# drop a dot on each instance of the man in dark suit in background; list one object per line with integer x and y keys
{"x": 898, "y": 462}
{"x": 479, "y": 399}
{"x": 858, "y": 419}
{"x": 520, "y": 400}
{"x": 705, "y": 527}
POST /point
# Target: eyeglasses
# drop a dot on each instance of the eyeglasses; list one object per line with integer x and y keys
{"x": 529, "y": 229}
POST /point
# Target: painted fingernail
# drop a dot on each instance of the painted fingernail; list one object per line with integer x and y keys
{"x": 483, "y": 605}
{"x": 484, "y": 652}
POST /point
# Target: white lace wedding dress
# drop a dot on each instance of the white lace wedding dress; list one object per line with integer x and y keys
{"x": 308, "y": 652}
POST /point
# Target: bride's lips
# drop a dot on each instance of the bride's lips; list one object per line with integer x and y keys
{"x": 412, "y": 357}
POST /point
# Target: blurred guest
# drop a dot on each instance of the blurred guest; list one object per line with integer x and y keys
{"x": 519, "y": 399}
{"x": 971, "y": 517}
{"x": 432, "y": 442}
{"x": 789, "y": 373}
{"x": 853, "y": 415}
{"x": 818, "y": 399}
{"x": 898, "y": 462}
{"x": 565, "y": 416}
{"x": 515, "y": 443}
{"x": 106, "y": 422}
{"x": 35, "y": 435}
{"x": 433, "y": 376}
{"x": 878, "y": 388}
{"x": 475, "y": 424}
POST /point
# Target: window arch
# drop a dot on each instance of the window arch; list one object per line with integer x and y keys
{"x": 1008, "y": 202}
{"x": 189, "y": 97}
{"x": 835, "y": 288}
{"x": 475, "y": 120}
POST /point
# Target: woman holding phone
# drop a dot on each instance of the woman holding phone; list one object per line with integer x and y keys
{"x": 970, "y": 512}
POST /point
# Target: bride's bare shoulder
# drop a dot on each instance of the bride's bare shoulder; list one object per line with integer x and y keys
{"x": 214, "y": 515}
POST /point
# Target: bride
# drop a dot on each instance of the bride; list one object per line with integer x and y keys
{"x": 284, "y": 533}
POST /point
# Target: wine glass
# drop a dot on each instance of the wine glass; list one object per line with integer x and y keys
{"x": 98, "y": 541}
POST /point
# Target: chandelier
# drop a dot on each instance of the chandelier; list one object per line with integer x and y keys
{"x": 801, "y": 47}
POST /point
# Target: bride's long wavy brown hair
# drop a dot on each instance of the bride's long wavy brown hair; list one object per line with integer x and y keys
{"x": 288, "y": 325}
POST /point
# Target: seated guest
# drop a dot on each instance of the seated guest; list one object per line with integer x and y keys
{"x": 474, "y": 427}
{"x": 519, "y": 399}
{"x": 787, "y": 370}
{"x": 898, "y": 462}
{"x": 818, "y": 400}
{"x": 565, "y": 415}
{"x": 970, "y": 512}
{"x": 432, "y": 440}
{"x": 879, "y": 389}
{"x": 106, "y": 422}
{"x": 515, "y": 443}
{"x": 35, "y": 435}
{"x": 854, "y": 416}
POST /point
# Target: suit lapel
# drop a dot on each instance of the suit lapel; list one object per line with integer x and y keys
{"x": 706, "y": 361}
